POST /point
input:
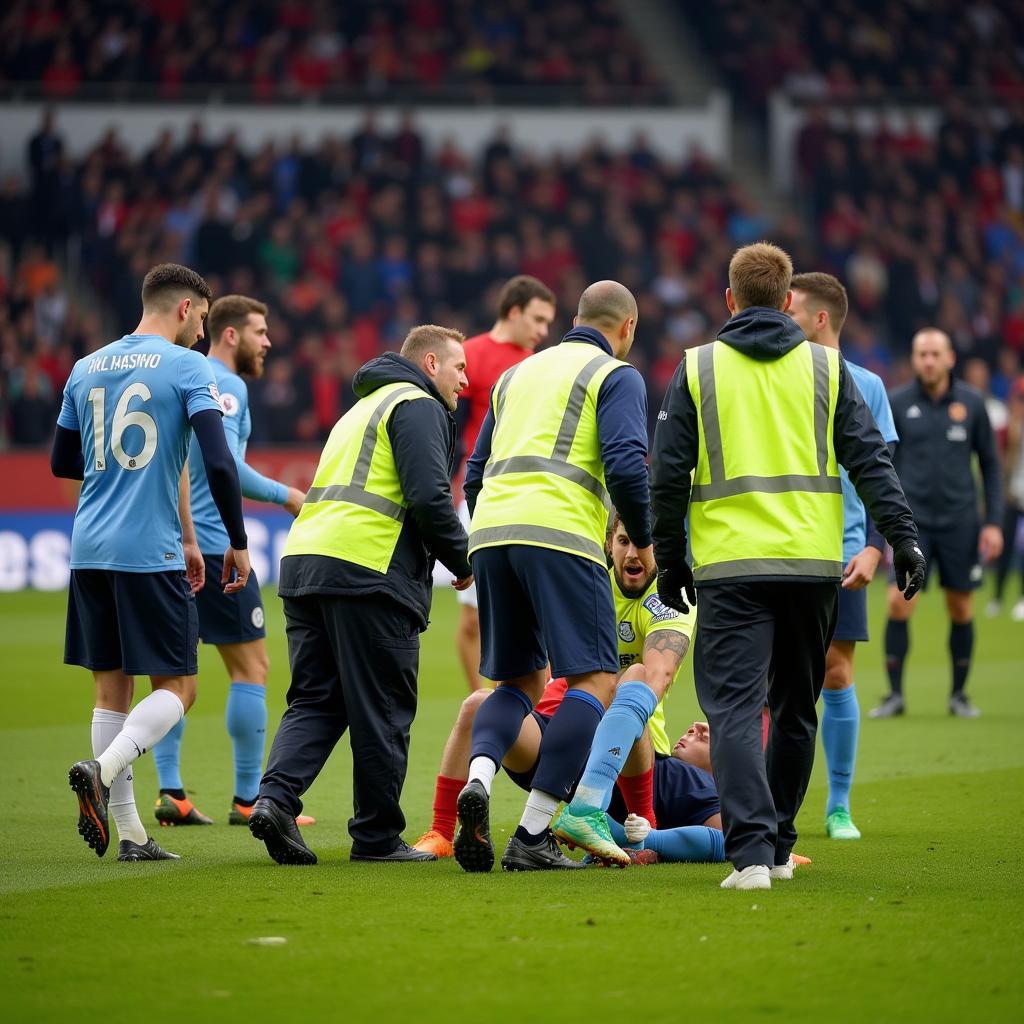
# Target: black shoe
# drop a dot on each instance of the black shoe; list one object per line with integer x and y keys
{"x": 890, "y": 707}
{"x": 127, "y": 850}
{"x": 473, "y": 848}
{"x": 402, "y": 852}
{"x": 278, "y": 830}
{"x": 545, "y": 856}
{"x": 960, "y": 706}
{"x": 93, "y": 797}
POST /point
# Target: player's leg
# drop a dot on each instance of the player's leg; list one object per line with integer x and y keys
{"x": 574, "y": 606}
{"x": 451, "y": 777}
{"x": 512, "y": 653}
{"x": 805, "y": 620}
{"x": 467, "y": 632}
{"x": 960, "y": 574}
{"x": 1011, "y": 515}
{"x": 840, "y": 724}
{"x": 636, "y": 781}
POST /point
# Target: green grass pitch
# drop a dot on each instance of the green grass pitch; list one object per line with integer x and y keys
{"x": 919, "y": 921}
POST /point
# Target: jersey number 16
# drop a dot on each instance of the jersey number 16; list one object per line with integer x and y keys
{"x": 122, "y": 420}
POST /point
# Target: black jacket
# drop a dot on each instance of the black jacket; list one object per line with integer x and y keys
{"x": 937, "y": 440}
{"x": 422, "y": 436}
{"x": 767, "y": 334}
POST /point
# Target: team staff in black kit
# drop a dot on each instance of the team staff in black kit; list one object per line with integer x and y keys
{"x": 762, "y": 418}
{"x": 942, "y": 423}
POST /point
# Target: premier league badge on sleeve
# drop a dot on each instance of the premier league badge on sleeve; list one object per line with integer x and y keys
{"x": 228, "y": 404}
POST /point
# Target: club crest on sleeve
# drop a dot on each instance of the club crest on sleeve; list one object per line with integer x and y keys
{"x": 626, "y": 631}
{"x": 214, "y": 393}
{"x": 228, "y": 404}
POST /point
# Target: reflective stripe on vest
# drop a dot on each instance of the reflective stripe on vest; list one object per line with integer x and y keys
{"x": 514, "y": 512}
{"x": 783, "y": 524}
{"x": 358, "y": 519}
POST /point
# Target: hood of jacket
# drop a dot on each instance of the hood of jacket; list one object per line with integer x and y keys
{"x": 591, "y": 335}
{"x": 762, "y": 333}
{"x": 391, "y": 368}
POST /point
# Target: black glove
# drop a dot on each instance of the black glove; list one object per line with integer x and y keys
{"x": 673, "y": 583}
{"x": 909, "y": 565}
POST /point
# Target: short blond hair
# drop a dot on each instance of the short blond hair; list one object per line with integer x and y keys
{"x": 428, "y": 338}
{"x": 760, "y": 275}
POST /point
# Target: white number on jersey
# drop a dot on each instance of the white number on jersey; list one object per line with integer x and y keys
{"x": 123, "y": 419}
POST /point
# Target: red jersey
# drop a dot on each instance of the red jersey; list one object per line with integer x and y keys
{"x": 486, "y": 361}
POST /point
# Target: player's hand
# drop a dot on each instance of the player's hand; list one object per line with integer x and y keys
{"x": 636, "y": 828}
{"x": 675, "y": 587}
{"x": 295, "y": 500}
{"x": 463, "y": 584}
{"x": 195, "y": 567}
{"x": 236, "y": 559}
{"x": 909, "y": 565}
{"x": 646, "y": 556}
{"x": 861, "y": 570}
{"x": 990, "y": 543}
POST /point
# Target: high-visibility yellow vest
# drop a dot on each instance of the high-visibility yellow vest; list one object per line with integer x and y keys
{"x": 355, "y": 508}
{"x": 766, "y": 497}
{"x": 544, "y": 481}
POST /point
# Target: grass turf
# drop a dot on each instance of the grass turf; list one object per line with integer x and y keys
{"x": 920, "y": 920}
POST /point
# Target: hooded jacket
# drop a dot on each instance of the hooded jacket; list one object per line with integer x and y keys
{"x": 422, "y": 435}
{"x": 767, "y": 334}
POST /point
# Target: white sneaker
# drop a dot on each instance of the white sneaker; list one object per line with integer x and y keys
{"x": 1017, "y": 612}
{"x": 783, "y": 872}
{"x": 757, "y": 876}
{"x": 993, "y": 609}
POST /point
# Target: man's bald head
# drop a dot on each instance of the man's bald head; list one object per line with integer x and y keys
{"x": 609, "y": 307}
{"x": 932, "y": 336}
{"x": 932, "y": 356}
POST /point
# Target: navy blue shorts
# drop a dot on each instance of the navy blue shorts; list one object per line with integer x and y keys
{"x": 143, "y": 623}
{"x": 539, "y": 606}
{"x": 954, "y": 549}
{"x": 228, "y": 618}
{"x": 683, "y": 795}
{"x": 524, "y": 780}
{"x": 852, "y": 616}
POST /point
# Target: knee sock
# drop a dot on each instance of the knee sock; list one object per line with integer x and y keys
{"x": 246, "y": 721}
{"x": 148, "y": 722}
{"x": 618, "y": 834}
{"x": 446, "y": 795}
{"x": 638, "y": 793}
{"x": 840, "y": 723}
{"x": 961, "y": 645}
{"x": 495, "y": 728}
{"x": 167, "y": 758}
{"x": 693, "y": 843}
{"x": 566, "y": 743}
{"x": 105, "y": 727}
{"x": 622, "y": 725}
{"x": 897, "y": 643}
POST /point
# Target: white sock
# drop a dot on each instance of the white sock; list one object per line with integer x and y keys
{"x": 483, "y": 770}
{"x": 147, "y": 724}
{"x": 540, "y": 809}
{"x": 105, "y": 727}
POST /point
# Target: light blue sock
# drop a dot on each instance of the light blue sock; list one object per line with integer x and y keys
{"x": 167, "y": 756}
{"x": 619, "y": 834}
{"x": 246, "y": 719}
{"x": 694, "y": 843}
{"x": 840, "y": 724}
{"x": 622, "y": 725}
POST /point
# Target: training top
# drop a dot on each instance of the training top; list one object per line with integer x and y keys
{"x": 234, "y": 404}
{"x": 131, "y": 402}
{"x": 934, "y": 456}
{"x": 637, "y": 618}
{"x": 486, "y": 361}
{"x": 854, "y": 524}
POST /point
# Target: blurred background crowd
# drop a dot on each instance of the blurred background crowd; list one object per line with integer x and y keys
{"x": 354, "y": 238}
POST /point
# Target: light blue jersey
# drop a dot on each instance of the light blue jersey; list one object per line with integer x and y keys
{"x": 131, "y": 402}
{"x": 234, "y": 403}
{"x": 854, "y": 523}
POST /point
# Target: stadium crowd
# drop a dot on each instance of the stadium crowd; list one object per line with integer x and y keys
{"x": 263, "y": 51}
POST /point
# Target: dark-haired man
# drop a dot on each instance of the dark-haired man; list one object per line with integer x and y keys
{"x": 239, "y": 342}
{"x": 128, "y": 413}
{"x": 762, "y": 419}
{"x": 356, "y": 578}
{"x": 526, "y": 308}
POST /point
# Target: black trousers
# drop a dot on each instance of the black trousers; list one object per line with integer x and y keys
{"x": 354, "y": 665}
{"x": 759, "y": 643}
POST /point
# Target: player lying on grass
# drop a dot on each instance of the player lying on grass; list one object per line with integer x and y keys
{"x": 652, "y": 641}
